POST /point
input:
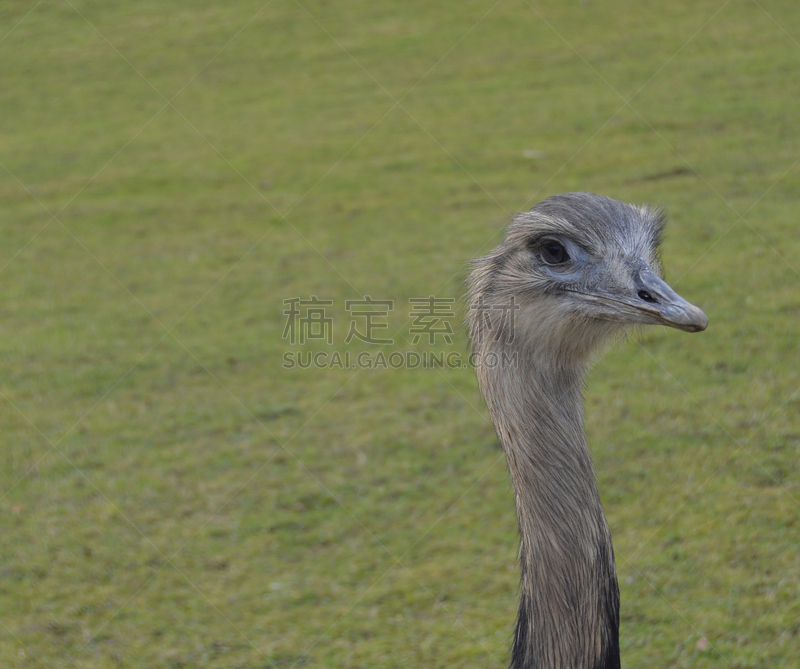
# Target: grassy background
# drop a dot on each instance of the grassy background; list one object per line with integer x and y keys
{"x": 171, "y": 172}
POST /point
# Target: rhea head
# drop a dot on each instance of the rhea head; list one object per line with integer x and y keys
{"x": 578, "y": 268}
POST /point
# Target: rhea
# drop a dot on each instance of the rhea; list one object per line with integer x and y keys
{"x": 571, "y": 275}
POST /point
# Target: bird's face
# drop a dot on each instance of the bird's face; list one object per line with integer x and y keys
{"x": 578, "y": 268}
{"x": 616, "y": 282}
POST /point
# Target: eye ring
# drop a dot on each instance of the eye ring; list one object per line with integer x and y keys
{"x": 553, "y": 252}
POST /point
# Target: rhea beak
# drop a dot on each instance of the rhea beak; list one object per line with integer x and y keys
{"x": 646, "y": 299}
{"x": 658, "y": 300}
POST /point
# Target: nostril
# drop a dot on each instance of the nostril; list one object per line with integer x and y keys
{"x": 647, "y": 297}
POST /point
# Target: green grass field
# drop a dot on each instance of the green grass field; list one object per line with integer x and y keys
{"x": 172, "y": 496}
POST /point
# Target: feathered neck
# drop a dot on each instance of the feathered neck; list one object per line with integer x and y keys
{"x": 569, "y": 600}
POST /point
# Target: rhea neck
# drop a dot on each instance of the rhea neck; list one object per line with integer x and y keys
{"x": 569, "y": 598}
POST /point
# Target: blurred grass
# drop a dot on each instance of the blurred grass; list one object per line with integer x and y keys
{"x": 172, "y": 496}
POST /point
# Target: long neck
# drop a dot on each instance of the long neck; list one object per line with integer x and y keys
{"x": 569, "y": 604}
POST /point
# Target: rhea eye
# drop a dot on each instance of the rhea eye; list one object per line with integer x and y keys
{"x": 553, "y": 252}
